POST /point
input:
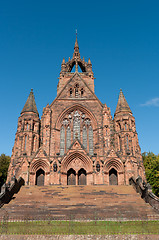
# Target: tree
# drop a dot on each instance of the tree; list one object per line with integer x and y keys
{"x": 4, "y": 164}
{"x": 151, "y": 164}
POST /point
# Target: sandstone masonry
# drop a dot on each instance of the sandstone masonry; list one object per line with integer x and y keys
{"x": 76, "y": 141}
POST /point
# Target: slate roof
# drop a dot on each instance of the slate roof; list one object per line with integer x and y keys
{"x": 30, "y": 105}
{"x": 122, "y": 105}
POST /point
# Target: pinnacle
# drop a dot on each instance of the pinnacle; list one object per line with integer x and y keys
{"x": 30, "y": 105}
{"x": 89, "y": 61}
{"x": 122, "y": 105}
{"x": 63, "y": 61}
{"x": 76, "y": 53}
{"x": 76, "y": 43}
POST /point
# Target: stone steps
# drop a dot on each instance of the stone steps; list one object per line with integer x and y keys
{"x": 79, "y": 202}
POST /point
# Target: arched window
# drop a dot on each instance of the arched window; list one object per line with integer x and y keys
{"x": 120, "y": 144}
{"x": 76, "y": 125}
{"x": 90, "y": 140}
{"x": 82, "y": 92}
{"x": 68, "y": 138}
{"x": 76, "y": 90}
{"x": 25, "y": 142}
{"x": 85, "y": 137}
{"x": 125, "y": 126}
{"x": 62, "y": 141}
{"x": 33, "y": 144}
{"x": 127, "y": 142}
{"x": 27, "y": 127}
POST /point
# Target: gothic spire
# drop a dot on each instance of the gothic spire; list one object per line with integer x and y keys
{"x": 30, "y": 105}
{"x": 122, "y": 105}
{"x": 76, "y": 53}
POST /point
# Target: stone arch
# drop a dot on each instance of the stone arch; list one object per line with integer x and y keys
{"x": 77, "y": 161}
{"x": 71, "y": 177}
{"x": 113, "y": 177}
{"x": 76, "y": 107}
{"x": 40, "y": 177}
{"x": 114, "y": 163}
{"x": 39, "y": 166}
{"x": 79, "y": 62}
{"x": 40, "y": 163}
{"x": 82, "y": 180}
{"x": 114, "y": 169}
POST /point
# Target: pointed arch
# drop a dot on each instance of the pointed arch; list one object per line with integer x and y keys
{"x": 83, "y": 161}
{"x": 82, "y": 180}
{"x": 113, "y": 177}
{"x": 73, "y": 108}
{"x": 39, "y": 163}
{"x": 40, "y": 177}
{"x": 114, "y": 163}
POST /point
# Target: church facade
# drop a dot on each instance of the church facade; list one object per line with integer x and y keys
{"x": 76, "y": 141}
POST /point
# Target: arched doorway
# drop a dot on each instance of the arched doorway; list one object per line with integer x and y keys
{"x": 71, "y": 177}
{"x": 40, "y": 175}
{"x": 82, "y": 177}
{"x": 113, "y": 177}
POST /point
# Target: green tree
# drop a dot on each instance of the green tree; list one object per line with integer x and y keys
{"x": 151, "y": 164}
{"x": 4, "y": 164}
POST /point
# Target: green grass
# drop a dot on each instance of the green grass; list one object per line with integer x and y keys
{"x": 78, "y": 228}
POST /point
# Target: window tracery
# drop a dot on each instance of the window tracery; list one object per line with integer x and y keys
{"x": 76, "y": 124}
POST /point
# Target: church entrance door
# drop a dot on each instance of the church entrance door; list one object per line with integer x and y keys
{"x": 81, "y": 177}
{"x": 113, "y": 178}
{"x": 40, "y": 175}
{"x": 71, "y": 177}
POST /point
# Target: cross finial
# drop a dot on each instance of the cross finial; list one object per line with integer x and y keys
{"x": 76, "y": 33}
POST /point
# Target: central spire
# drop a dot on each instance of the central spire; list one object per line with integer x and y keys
{"x": 76, "y": 53}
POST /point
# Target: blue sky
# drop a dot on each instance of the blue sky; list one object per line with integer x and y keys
{"x": 120, "y": 37}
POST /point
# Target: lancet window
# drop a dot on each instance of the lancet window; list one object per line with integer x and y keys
{"x": 25, "y": 142}
{"x": 85, "y": 137}
{"x": 76, "y": 125}
{"x": 127, "y": 142}
{"x": 62, "y": 141}
{"x": 68, "y": 138}
{"x": 90, "y": 140}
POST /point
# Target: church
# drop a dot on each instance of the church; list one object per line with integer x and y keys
{"x": 76, "y": 141}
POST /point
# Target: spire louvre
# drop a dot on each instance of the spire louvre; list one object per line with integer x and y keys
{"x": 122, "y": 105}
{"x": 30, "y": 105}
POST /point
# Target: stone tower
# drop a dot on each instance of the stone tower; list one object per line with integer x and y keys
{"x": 76, "y": 142}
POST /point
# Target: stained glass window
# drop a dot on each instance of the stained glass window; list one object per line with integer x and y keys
{"x": 90, "y": 140}
{"x": 62, "y": 141}
{"x": 68, "y": 138}
{"x": 85, "y": 137}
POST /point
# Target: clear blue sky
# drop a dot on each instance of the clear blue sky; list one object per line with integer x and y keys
{"x": 120, "y": 37}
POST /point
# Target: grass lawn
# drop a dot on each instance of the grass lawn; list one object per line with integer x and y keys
{"x": 79, "y": 228}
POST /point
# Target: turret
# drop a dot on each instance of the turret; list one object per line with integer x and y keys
{"x": 124, "y": 125}
{"x": 27, "y": 136}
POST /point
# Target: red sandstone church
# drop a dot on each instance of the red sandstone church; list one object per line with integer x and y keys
{"x": 76, "y": 141}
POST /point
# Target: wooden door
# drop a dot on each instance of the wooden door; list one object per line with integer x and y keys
{"x": 113, "y": 178}
{"x": 40, "y": 175}
{"x": 71, "y": 177}
{"x": 82, "y": 177}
